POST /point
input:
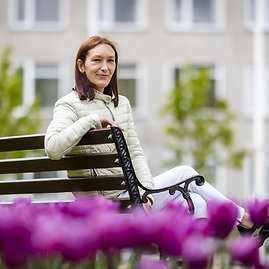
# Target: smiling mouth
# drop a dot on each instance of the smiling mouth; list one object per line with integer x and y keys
{"x": 102, "y": 76}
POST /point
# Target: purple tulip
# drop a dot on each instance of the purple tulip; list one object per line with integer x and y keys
{"x": 258, "y": 210}
{"x": 147, "y": 263}
{"x": 74, "y": 238}
{"x": 245, "y": 250}
{"x": 88, "y": 206}
{"x": 197, "y": 250}
{"x": 178, "y": 208}
{"x": 173, "y": 230}
{"x": 133, "y": 230}
{"x": 15, "y": 236}
{"x": 221, "y": 218}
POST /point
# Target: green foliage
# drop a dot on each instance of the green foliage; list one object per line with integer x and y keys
{"x": 14, "y": 119}
{"x": 198, "y": 127}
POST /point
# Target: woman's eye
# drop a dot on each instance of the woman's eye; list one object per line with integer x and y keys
{"x": 96, "y": 60}
{"x": 111, "y": 60}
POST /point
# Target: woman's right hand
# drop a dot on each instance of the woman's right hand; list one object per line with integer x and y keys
{"x": 108, "y": 122}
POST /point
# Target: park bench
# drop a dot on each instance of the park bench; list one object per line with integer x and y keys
{"x": 121, "y": 158}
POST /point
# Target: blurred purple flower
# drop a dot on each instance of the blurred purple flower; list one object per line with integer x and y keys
{"x": 245, "y": 249}
{"x": 172, "y": 232}
{"x": 86, "y": 206}
{"x": 176, "y": 207}
{"x": 147, "y": 263}
{"x": 197, "y": 250}
{"x": 15, "y": 236}
{"x": 258, "y": 210}
{"x": 133, "y": 231}
{"x": 73, "y": 238}
{"x": 221, "y": 218}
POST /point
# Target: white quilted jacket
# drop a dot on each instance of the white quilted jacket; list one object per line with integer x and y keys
{"x": 73, "y": 117}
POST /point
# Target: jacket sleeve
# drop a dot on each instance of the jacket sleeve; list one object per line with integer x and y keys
{"x": 137, "y": 155}
{"x": 66, "y": 129}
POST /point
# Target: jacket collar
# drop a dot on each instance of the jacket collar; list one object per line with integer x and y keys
{"x": 103, "y": 97}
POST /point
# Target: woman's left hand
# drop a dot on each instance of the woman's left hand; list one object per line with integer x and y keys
{"x": 147, "y": 206}
{"x": 107, "y": 122}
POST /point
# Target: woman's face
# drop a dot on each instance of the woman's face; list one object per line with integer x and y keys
{"x": 99, "y": 65}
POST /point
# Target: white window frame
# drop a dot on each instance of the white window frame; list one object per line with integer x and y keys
{"x": 29, "y": 24}
{"x": 248, "y": 80}
{"x": 249, "y": 24}
{"x": 140, "y": 23}
{"x": 248, "y": 177}
{"x": 140, "y": 75}
{"x": 266, "y": 172}
{"x": 249, "y": 183}
{"x": 218, "y": 74}
{"x": 29, "y": 77}
{"x": 187, "y": 24}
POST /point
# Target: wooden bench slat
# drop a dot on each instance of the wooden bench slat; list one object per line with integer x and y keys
{"x": 31, "y": 142}
{"x": 40, "y": 164}
{"x": 62, "y": 185}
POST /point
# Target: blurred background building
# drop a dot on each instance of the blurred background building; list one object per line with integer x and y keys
{"x": 155, "y": 39}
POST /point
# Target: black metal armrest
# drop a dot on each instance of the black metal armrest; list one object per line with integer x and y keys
{"x": 133, "y": 183}
{"x": 182, "y": 187}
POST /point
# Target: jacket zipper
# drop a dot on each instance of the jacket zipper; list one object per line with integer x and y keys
{"x": 113, "y": 118}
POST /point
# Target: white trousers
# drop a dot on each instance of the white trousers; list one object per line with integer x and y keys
{"x": 200, "y": 195}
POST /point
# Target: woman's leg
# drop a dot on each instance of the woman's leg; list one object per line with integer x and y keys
{"x": 181, "y": 173}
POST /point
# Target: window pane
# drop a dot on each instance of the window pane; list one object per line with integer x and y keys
{"x": 125, "y": 10}
{"x": 127, "y": 87}
{"x": 21, "y": 10}
{"x": 101, "y": 9}
{"x": 203, "y": 11}
{"x": 209, "y": 172}
{"x": 46, "y": 90}
{"x": 47, "y": 10}
{"x": 251, "y": 10}
{"x": 267, "y": 11}
{"x": 211, "y": 102}
{"x": 211, "y": 93}
{"x": 177, "y": 10}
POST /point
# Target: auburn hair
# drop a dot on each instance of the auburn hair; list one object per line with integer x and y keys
{"x": 83, "y": 86}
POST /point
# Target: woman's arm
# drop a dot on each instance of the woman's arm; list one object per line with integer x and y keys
{"x": 66, "y": 129}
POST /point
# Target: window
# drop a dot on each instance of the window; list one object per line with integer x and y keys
{"x": 131, "y": 84}
{"x": 46, "y": 84}
{"x": 250, "y": 176}
{"x": 266, "y": 172}
{"x": 38, "y": 14}
{"x": 122, "y": 15}
{"x": 250, "y": 14}
{"x": 44, "y": 81}
{"x": 189, "y": 15}
{"x": 248, "y": 81}
{"x": 127, "y": 83}
{"x": 211, "y": 98}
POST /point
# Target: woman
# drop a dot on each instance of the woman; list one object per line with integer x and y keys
{"x": 95, "y": 103}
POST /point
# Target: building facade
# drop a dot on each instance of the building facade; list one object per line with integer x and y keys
{"x": 154, "y": 38}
